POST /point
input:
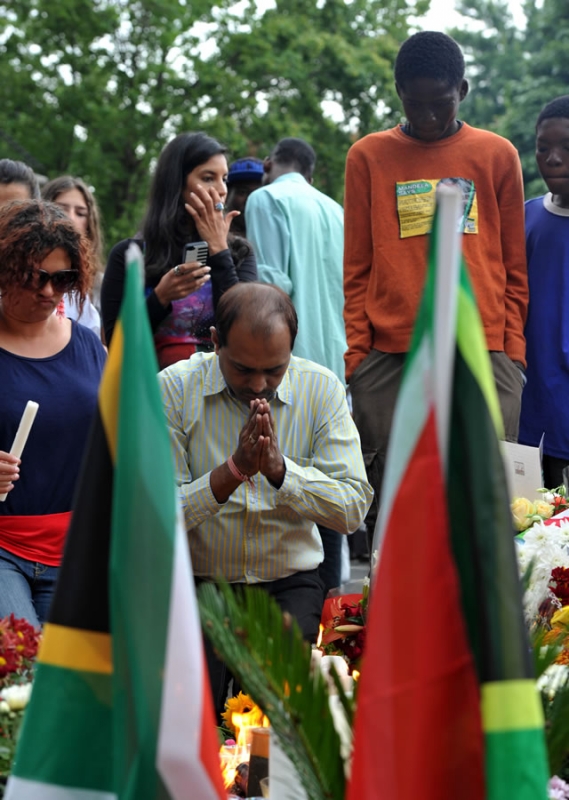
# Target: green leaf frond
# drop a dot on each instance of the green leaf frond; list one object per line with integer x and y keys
{"x": 556, "y": 712}
{"x": 265, "y": 650}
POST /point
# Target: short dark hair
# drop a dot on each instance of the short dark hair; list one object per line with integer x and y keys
{"x": 32, "y": 229}
{"x": 296, "y": 153}
{"x": 65, "y": 183}
{"x": 167, "y": 226}
{"x": 18, "y": 172}
{"x": 429, "y": 54}
{"x": 559, "y": 107}
{"x": 261, "y": 305}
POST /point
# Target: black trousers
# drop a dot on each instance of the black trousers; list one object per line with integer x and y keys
{"x": 375, "y": 385}
{"x": 330, "y": 569}
{"x": 301, "y": 594}
{"x": 553, "y": 471}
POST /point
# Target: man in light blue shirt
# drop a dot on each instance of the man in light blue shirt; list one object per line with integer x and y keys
{"x": 298, "y": 236}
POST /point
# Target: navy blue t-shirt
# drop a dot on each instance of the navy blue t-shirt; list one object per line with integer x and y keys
{"x": 65, "y": 386}
{"x": 545, "y": 396}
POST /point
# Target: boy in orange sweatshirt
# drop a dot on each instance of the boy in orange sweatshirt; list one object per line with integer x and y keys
{"x": 391, "y": 179}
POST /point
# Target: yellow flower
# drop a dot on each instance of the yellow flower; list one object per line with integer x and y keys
{"x": 561, "y": 617}
{"x": 242, "y": 704}
{"x": 522, "y": 510}
{"x": 545, "y": 510}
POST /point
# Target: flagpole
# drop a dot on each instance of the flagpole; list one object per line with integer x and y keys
{"x": 449, "y": 201}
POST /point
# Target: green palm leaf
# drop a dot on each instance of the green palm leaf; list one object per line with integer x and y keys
{"x": 265, "y": 650}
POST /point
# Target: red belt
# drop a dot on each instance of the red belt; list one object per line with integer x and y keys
{"x": 35, "y": 538}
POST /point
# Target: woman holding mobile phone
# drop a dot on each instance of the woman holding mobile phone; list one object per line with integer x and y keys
{"x": 186, "y": 205}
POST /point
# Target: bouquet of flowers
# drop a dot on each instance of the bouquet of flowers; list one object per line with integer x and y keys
{"x": 559, "y": 634}
{"x": 19, "y": 643}
{"x": 526, "y": 513}
{"x": 543, "y": 558}
{"x": 543, "y": 555}
{"x": 558, "y": 789}
{"x": 344, "y": 623}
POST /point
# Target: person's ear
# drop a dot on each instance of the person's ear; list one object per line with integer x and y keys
{"x": 463, "y": 90}
{"x": 267, "y": 164}
{"x": 215, "y": 340}
{"x": 398, "y": 90}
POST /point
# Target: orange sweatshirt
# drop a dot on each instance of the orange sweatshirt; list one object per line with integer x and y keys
{"x": 390, "y": 179}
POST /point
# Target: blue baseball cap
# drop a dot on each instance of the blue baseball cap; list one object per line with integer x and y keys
{"x": 245, "y": 169}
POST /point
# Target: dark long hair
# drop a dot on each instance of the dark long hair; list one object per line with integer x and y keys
{"x": 167, "y": 225}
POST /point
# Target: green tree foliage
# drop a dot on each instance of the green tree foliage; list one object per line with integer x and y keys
{"x": 546, "y": 76}
{"x": 514, "y": 73}
{"x": 493, "y": 54}
{"x": 90, "y": 87}
{"x": 287, "y": 67}
{"x": 97, "y": 87}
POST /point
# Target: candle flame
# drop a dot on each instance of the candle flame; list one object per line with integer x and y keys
{"x": 231, "y": 756}
{"x": 356, "y": 675}
{"x": 320, "y": 634}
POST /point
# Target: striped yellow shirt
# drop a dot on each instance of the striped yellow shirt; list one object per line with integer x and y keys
{"x": 262, "y": 533}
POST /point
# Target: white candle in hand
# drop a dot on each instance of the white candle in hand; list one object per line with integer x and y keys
{"x": 22, "y": 433}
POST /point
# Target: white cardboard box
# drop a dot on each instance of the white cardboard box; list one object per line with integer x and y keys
{"x": 523, "y": 470}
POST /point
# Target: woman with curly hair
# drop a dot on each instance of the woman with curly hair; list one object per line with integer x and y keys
{"x": 186, "y": 205}
{"x": 57, "y": 363}
{"x": 18, "y": 182}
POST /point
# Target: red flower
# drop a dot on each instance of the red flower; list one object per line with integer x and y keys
{"x": 19, "y": 643}
{"x": 559, "y": 584}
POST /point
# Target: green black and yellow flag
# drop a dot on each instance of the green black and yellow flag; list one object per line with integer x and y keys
{"x": 121, "y": 707}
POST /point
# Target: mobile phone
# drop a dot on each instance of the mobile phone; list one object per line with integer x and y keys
{"x": 195, "y": 251}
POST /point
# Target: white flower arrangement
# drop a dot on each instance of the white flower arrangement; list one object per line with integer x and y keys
{"x": 555, "y": 677}
{"x": 15, "y": 697}
{"x": 543, "y": 548}
{"x": 557, "y": 789}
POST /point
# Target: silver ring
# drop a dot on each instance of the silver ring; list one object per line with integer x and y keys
{"x": 252, "y": 440}
{"x": 219, "y": 206}
{"x": 176, "y": 270}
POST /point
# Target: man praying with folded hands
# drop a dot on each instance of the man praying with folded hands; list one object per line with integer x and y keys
{"x": 265, "y": 450}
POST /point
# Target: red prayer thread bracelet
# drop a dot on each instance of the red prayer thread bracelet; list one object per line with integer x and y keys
{"x": 236, "y": 472}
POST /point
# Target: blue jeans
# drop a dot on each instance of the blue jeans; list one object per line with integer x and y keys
{"x": 26, "y": 588}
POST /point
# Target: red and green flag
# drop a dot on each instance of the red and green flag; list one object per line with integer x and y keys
{"x": 121, "y": 707}
{"x": 447, "y": 705}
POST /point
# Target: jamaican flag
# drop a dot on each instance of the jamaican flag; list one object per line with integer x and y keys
{"x": 447, "y": 706}
{"x": 121, "y": 706}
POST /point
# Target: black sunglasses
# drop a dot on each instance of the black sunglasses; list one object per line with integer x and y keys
{"x": 62, "y": 281}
